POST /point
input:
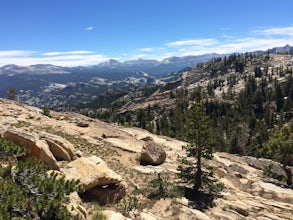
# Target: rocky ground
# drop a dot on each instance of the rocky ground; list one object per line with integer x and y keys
{"x": 247, "y": 194}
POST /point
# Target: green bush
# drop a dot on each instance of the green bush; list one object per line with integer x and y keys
{"x": 28, "y": 192}
{"x": 161, "y": 187}
{"x": 129, "y": 205}
{"x": 46, "y": 111}
{"x": 99, "y": 216}
{"x": 267, "y": 171}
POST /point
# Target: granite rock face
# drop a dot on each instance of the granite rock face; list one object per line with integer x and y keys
{"x": 38, "y": 149}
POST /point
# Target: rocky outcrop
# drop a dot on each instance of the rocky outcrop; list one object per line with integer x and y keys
{"x": 75, "y": 207}
{"x": 38, "y": 149}
{"x": 262, "y": 163}
{"x": 108, "y": 193}
{"x": 248, "y": 194}
{"x": 61, "y": 148}
{"x": 152, "y": 154}
{"x": 90, "y": 173}
{"x": 98, "y": 180}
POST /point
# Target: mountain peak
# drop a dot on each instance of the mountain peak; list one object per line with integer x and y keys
{"x": 109, "y": 63}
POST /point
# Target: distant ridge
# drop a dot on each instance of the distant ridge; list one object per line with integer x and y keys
{"x": 154, "y": 67}
{"x": 285, "y": 49}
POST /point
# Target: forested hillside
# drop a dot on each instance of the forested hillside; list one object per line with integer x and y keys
{"x": 247, "y": 98}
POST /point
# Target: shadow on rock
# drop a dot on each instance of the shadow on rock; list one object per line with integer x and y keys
{"x": 200, "y": 200}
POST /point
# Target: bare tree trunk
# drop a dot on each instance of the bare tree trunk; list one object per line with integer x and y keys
{"x": 198, "y": 180}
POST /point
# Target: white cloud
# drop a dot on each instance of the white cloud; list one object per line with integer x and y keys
{"x": 75, "y": 52}
{"x": 16, "y": 53}
{"x": 201, "y": 42}
{"x": 223, "y": 46}
{"x": 146, "y": 49}
{"x": 288, "y": 31}
{"x": 260, "y": 40}
{"x": 70, "y": 58}
{"x": 90, "y": 28}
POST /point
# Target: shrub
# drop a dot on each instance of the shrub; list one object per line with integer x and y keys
{"x": 99, "y": 216}
{"x": 129, "y": 205}
{"x": 46, "y": 111}
{"x": 27, "y": 191}
{"x": 161, "y": 187}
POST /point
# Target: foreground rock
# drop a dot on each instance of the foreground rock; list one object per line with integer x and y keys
{"x": 248, "y": 194}
{"x": 98, "y": 180}
{"x": 111, "y": 215}
{"x": 39, "y": 149}
{"x": 152, "y": 154}
{"x": 107, "y": 193}
{"x": 61, "y": 148}
{"x": 75, "y": 207}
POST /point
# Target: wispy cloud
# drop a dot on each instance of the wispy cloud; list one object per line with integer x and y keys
{"x": 201, "y": 42}
{"x": 288, "y": 31}
{"x": 222, "y": 44}
{"x": 16, "y": 53}
{"x": 90, "y": 28}
{"x": 69, "y": 58}
{"x": 225, "y": 44}
{"x": 146, "y": 49}
{"x": 75, "y": 52}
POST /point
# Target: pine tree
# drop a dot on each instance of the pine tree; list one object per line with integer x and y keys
{"x": 199, "y": 136}
{"x": 280, "y": 148}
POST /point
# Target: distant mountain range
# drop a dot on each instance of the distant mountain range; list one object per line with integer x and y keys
{"x": 55, "y": 85}
{"x": 276, "y": 50}
{"x": 113, "y": 68}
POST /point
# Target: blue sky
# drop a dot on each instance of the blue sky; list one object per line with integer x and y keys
{"x": 85, "y": 32}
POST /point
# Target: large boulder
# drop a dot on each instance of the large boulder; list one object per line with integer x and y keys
{"x": 108, "y": 193}
{"x": 61, "y": 148}
{"x": 262, "y": 163}
{"x": 91, "y": 174}
{"x": 38, "y": 149}
{"x": 152, "y": 154}
{"x": 98, "y": 180}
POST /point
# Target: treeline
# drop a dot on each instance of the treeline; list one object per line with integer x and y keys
{"x": 241, "y": 122}
{"x": 106, "y": 105}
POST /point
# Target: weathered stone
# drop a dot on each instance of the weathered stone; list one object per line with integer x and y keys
{"x": 38, "y": 148}
{"x": 111, "y": 215}
{"x": 108, "y": 193}
{"x": 238, "y": 169}
{"x": 82, "y": 124}
{"x": 147, "y": 138}
{"x": 78, "y": 153}
{"x": 148, "y": 169}
{"x": 147, "y": 216}
{"x": 59, "y": 146}
{"x": 76, "y": 208}
{"x": 97, "y": 160}
{"x": 2, "y": 131}
{"x": 152, "y": 154}
{"x": 261, "y": 163}
{"x": 90, "y": 173}
{"x": 59, "y": 152}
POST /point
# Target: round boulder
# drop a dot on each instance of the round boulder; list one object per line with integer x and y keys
{"x": 152, "y": 154}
